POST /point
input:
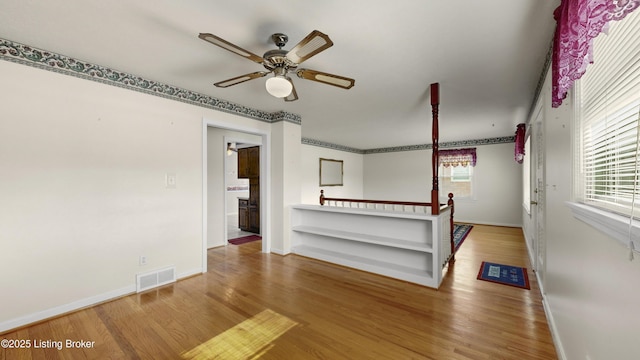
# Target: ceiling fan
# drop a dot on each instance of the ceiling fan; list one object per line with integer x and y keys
{"x": 282, "y": 62}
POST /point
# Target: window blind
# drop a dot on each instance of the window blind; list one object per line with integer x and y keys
{"x": 608, "y": 106}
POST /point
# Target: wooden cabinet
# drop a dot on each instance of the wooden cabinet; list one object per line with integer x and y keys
{"x": 249, "y": 168}
{"x": 254, "y": 191}
{"x": 249, "y": 162}
{"x": 243, "y": 214}
{"x": 254, "y": 219}
{"x": 249, "y": 214}
{"x": 254, "y": 162}
{"x": 243, "y": 163}
{"x": 254, "y": 205}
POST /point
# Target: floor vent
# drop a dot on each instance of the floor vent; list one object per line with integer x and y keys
{"x": 155, "y": 278}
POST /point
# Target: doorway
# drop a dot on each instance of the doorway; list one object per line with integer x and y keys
{"x": 242, "y": 176}
{"x": 215, "y": 135}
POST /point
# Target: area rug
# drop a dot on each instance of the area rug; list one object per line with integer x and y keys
{"x": 245, "y": 239}
{"x": 504, "y": 274}
{"x": 460, "y": 232}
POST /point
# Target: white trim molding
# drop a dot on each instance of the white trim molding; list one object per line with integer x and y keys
{"x": 46, "y": 314}
{"x": 66, "y": 308}
{"x": 614, "y": 225}
{"x": 552, "y": 326}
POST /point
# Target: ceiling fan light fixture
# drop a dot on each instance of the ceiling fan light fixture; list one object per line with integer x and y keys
{"x": 281, "y": 62}
{"x": 279, "y": 86}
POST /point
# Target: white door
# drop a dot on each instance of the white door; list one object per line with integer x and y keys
{"x": 539, "y": 199}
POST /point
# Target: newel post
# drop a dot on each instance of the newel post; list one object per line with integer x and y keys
{"x": 452, "y": 258}
{"x": 321, "y": 197}
{"x": 435, "y": 102}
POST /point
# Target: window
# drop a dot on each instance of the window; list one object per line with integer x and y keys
{"x": 456, "y": 180}
{"x": 607, "y": 110}
{"x": 456, "y": 172}
{"x": 461, "y": 174}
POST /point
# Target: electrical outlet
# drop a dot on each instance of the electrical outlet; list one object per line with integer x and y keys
{"x": 143, "y": 260}
{"x": 170, "y": 180}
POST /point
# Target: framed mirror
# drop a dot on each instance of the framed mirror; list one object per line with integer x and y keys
{"x": 331, "y": 172}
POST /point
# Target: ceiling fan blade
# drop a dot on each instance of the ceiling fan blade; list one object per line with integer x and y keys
{"x": 326, "y": 78}
{"x": 240, "y": 79}
{"x": 294, "y": 95}
{"x": 231, "y": 47}
{"x": 314, "y": 43}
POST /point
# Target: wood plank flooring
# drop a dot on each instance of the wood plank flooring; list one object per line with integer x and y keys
{"x": 255, "y": 305}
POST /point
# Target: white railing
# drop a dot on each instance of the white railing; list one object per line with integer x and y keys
{"x": 445, "y": 224}
{"x": 418, "y": 209}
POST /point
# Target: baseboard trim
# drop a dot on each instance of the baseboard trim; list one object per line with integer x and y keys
{"x": 547, "y": 308}
{"x": 39, "y": 316}
{"x": 552, "y": 326}
{"x": 44, "y": 315}
{"x": 280, "y": 252}
{"x": 189, "y": 273}
{"x": 529, "y": 250}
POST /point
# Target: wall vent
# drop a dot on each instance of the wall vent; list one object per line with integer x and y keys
{"x": 155, "y": 278}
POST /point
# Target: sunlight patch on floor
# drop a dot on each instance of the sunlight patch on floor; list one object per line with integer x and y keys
{"x": 247, "y": 340}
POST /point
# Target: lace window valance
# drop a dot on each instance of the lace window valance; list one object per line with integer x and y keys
{"x": 578, "y": 23}
{"x": 457, "y": 157}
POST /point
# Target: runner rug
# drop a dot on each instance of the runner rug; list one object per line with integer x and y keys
{"x": 504, "y": 274}
{"x": 460, "y": 232}
{"x": 245, "y": 239}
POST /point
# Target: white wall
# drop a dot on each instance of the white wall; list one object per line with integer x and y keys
{"x": 401, "y": 176}
{"x": 352, "y": 178}
{"x": 591, "y": 289}
{"x": 407, "y": 176}
{"x": 83, "y": 189}
{"x": 82, "y": 175}
{"x": 497, "y": 188}
{"x": 285, "y": 185}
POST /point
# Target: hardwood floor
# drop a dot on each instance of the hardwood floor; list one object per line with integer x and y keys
{"x": 252, "y": 305}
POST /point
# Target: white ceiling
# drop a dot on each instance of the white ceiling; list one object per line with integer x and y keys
{"x": 487, "y": 56}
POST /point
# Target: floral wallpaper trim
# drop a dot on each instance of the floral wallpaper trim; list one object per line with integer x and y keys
{"x": 452, "y": 144}
{"x": 42, "y": 59}
{"x": 318, "y": 143}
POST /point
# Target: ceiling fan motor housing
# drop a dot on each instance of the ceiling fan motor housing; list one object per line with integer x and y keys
{"x": 278, "y": 58}
{"x": 279, "y": 39}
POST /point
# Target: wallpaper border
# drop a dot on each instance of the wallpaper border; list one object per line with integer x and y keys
{"x": 324, "y": 144}
{"x": 47, "y": 60}
{"x": 451, "y": 144}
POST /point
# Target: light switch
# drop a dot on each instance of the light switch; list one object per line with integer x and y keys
{"x": 170, "y": 180}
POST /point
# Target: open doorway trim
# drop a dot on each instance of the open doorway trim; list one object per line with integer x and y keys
{"x": 265, "y": 176}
